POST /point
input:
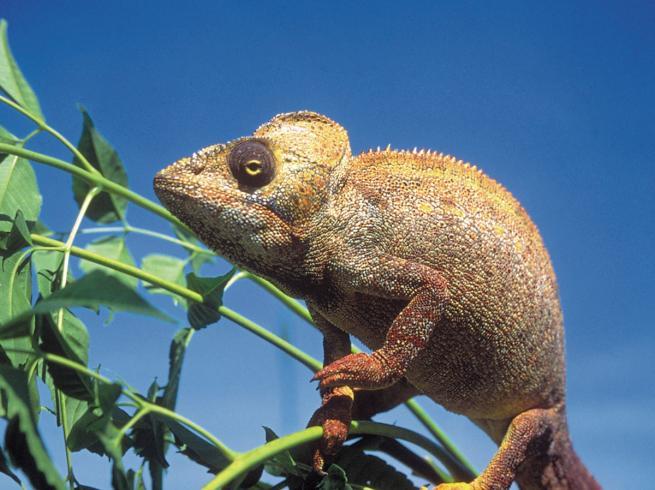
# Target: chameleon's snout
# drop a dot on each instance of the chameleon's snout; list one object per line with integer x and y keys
{"x": 168, "y": 186}
{"x": 161, "y": 183}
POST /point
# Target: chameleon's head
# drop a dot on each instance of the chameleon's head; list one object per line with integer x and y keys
{"x": 246, "y": 198}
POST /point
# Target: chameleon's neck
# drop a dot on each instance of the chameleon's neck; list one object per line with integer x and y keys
{"x": 556, "y": 467}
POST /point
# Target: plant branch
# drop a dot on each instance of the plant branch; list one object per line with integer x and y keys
{"x": 45, "y": 127}
{"x": 143, "y": 231}
{"x": 140, "y": 400}
{"x": 252, "y": 458}
{"x": 186, "y": 293}
{"x": 61, "y": 398}
{"x": 69, "y": 243}
{"x": 142, "y": 412}
{"x": 95, "y": 179}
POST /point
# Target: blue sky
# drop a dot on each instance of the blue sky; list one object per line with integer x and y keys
{"x": 553, "y": 99}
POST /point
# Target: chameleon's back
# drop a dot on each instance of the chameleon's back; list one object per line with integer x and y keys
{"x": 499, "y": 349}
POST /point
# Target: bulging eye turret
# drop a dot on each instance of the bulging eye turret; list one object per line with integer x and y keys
{"x": 252, "y": 163}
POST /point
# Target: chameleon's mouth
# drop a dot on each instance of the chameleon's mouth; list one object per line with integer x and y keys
{"x": 167, "y": 189}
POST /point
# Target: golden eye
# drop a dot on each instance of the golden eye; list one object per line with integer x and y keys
{"x": 253, "y": 167}
{"x": 252, "y": 163}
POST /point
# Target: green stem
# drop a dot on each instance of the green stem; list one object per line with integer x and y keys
{"x": 257, "y": 456}
{"x": 462, "y": 468}
{"x": 144, "y": 231}
{"x": 186, "y": 293}
{"x": 170, "y": 414}
{"x": 142, "y": 412}
{"x": 42, "y": 125}
{"x": 121, "y": 267}
{"x": 69, "y": 243}
{"x": 61, "y": 398}
{"x": 236, "y": 277}
{"x": 61, "y": 402}
{"x": 280, "y": 343}
{"x": 31, "y": 135}
{"x": 94, "y": 178}
{"x": 141, "y": 402}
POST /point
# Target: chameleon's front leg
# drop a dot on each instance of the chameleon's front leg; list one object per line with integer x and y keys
{"x": 338, "y": 406}
{"x": 335, "y": 412}
{"x": 393, "y": 278}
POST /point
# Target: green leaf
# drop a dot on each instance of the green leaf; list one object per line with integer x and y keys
{"x": 195, "y": 447}
{"x": 148, "y": 435}
{"x": 72, "y": 342}
{"x": 48, "y": 265}
{"x": 15, "y": 298}
{"x": 175, "y": 361}
{"x": 22, "y": 439}
{"x": 335, "y": 479}
{"x": 135, "y": 479}
{"x": 211, "y": 288}
{"x": 119, "y": 479}
{"x": 84, "y": 433}
{"x": 18, "y": 191}
{"x": 7, "y": 138}
{"x": 166, "y": 267}
{"x": 4, "y": 467}
{"x": 18, "y": 237}
{"x": 99, "y": 289}
{"x": 281, "y": 464}
{"x": 111, "y": 247}
{"x": 371, "y": 471}
{"x": 105, "y": 207}
{"x": 12, "y": 81}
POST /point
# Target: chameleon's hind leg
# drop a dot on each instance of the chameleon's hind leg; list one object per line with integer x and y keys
{"x": 529, "y": 433}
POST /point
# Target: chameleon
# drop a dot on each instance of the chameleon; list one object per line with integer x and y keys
{"x": 432, "y": 264}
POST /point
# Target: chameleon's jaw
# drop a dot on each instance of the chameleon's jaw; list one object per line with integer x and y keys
{"x": 224, "y": 218}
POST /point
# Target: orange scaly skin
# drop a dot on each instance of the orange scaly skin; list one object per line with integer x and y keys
{"x": 432, "y": 264}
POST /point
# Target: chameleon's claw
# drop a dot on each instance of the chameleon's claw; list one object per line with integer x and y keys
{"x": 334, "y": 416}
{"x": 360, "y": 371}
{"x": 318, "y": 462}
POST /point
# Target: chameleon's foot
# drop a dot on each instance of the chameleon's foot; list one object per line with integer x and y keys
{"x": 458, "y": 486}
{"x": 361, "y": 371}
{"x": 334, "y": 416}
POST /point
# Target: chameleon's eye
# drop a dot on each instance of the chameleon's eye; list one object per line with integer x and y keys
{"x": 252, "y": 163}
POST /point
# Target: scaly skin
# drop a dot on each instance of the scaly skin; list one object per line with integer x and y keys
{"x": 432, "y": 264}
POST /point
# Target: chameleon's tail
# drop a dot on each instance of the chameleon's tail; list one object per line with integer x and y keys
{"x": 556, "y": 468}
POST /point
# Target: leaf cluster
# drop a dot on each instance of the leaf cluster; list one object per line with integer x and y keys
{"x": 45, "y": 343}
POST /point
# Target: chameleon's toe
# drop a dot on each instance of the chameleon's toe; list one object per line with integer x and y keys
{"x": 335, "y": 434}
{"x": 362, "y": 371}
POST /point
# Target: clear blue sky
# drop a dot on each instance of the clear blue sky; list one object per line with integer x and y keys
{"x": 554, "y": 99}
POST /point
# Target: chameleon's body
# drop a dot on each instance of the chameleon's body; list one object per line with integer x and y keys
{"x": 432, "y": 264}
